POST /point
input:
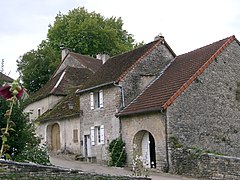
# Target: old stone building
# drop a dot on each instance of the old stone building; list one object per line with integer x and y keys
{"x": 113, "y": 86}
{"x": 193, "y": 103}
{"x": 50, "y": 105}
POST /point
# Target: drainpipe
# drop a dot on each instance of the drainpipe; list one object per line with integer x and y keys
{"x": 166, "y": 142}
{"x": 122, "y": 92}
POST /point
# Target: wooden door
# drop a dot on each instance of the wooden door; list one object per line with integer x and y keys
{"x": 55, "y": 137}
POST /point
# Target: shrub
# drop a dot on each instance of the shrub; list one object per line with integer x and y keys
{"x": 117, "y": 153}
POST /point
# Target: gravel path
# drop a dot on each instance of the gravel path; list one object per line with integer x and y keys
{"x": 68, "y": 162}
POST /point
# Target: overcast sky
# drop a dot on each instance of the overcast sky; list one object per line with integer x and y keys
{"x": 186, "y": 24}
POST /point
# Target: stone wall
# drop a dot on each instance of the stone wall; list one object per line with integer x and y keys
{"x": 15, "y": 170}
{"x": 153, "y": 123}
{"x": 100, "y": 116}
{"x": 201, "y": 165}
{"x": 206, "y": 115}
{"x": 145, "y": 71}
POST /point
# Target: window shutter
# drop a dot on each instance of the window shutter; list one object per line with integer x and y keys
{"x": 92, "y": 136}
{"x": 91, "y": 100}
{"x": 102, "y": 134}
{"x": 101, "y": 98}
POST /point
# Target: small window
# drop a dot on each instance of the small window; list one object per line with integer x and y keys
{"x": 75, "y": 135}
{"x": 97, "y": 135}
{"x": 100, "y": 134}
{"x": 96, "y": 99}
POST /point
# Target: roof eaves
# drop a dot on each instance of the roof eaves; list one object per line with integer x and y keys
{"x": 198, "y": 73}
{"x": 78, "y": 91}
{"x": 139, "y": 59}
{"x": 142, "y": 111}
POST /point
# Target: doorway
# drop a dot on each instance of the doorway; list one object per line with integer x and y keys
{"x": 55, "y": 137}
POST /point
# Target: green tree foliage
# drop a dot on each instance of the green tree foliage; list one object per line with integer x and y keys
{"x": 117, "y": 153}
{"x": 89, "y": 33}
{"x": 82, "y": 32}
{"x": 23, "y": 139}
{"x": 37, "y": 66}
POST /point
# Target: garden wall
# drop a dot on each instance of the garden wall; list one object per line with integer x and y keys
{"x": 202, "y": 165}
{"x": 15, "y": 170}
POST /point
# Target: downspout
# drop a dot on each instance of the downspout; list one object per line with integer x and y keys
{"x": 122, "y": 93}
{"x": 123, "y": 105}
{"x": 166, "y": 168}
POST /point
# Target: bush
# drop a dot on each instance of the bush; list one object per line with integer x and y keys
{"x": 117, "y": 153}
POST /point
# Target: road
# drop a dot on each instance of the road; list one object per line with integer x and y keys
{"x": 64, "y": 161}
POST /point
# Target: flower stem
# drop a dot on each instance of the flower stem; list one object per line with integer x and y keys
{"x": 7, "y": 127}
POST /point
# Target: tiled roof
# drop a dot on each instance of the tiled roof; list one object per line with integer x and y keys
{"x": 176, "y": 78}
{"x": 5, "y": 78}
{"x": 60, "y": 84}
{"x": 117, "y": 67}
{"x": 88, "y": 62}
{"x": 61, "y": 110}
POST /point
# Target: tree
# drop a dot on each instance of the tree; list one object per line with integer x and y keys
{"x": 89, "y": 33}
{"x": 22, "y": 142}
{"x": 37, "y": 66}
{"x": 82, "y": 32}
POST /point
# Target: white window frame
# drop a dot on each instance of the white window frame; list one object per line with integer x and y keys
{"x": 96, "y": 99}
{"x": 92, "y": 135}
{"x": 91, "y": 101}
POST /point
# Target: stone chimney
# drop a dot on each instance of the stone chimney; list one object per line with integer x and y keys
{"x": 159, "y": 36}
{"x": 103, "y": 57}
{"x": 65, "y": 52}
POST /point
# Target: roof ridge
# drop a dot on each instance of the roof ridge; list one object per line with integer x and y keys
{"x": 138, "y": 60}
{"x": 199, "y": 71}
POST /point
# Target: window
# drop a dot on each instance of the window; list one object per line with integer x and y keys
{"x": 75, "y": 135}
{"x": 97, "y": 134}
{"x": 96, "y": 99}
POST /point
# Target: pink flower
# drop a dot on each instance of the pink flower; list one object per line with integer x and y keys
{"x": 6, "y": 93}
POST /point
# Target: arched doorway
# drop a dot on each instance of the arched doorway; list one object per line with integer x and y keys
{"x": 55, "y": 138}
{"x": 146, "y": 148}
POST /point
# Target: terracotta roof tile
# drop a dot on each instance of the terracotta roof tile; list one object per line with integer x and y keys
{"x": 176, "y": 78}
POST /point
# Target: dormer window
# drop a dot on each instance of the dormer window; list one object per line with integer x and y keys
{"x": 96, "y": 99}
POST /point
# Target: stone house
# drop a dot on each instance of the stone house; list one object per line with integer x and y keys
{"x": 194, "y": 103}
{"x": 118, "y": 81}
{"x": 73, "y": 71}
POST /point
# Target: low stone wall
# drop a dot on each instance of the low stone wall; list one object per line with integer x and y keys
{"x": 202, "y": 165}
{"x": 15, "y": 170}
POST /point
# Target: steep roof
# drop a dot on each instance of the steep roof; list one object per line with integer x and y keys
{"x": 5, "y": 78}
{"x": 61, "y": 110}
{"x": 88, "y": 62}
{"x": 60, "y": 84}
{"x": 115, "y": 68}
{"x": 183, "y": 70}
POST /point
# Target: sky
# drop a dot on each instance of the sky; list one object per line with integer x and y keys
{"x": 186, "y": 24}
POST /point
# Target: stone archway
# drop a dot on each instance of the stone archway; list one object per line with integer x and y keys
{"x": 55, "y": 137}
{"x": 145, "y": 147}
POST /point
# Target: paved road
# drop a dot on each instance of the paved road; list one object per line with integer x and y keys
{"x": 66, "y": 162}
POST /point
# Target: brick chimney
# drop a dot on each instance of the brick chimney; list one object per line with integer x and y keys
{"x": 103, "y": 57}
